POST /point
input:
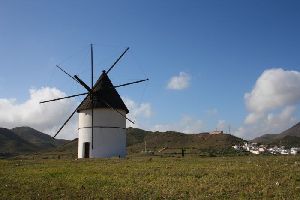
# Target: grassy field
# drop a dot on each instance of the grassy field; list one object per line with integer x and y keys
{"x": 244, "y": 177}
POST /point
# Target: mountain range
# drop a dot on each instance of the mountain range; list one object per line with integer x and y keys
{"x": 26, "y": 140}
{"x": 288, "y": 138}
{"x": 23, "y": 140}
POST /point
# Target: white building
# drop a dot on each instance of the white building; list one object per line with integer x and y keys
{"x": 236, "y": 147}
{"x": 109, "y": 123}
{"x": 294, "y": 150}
{"x": 261, "y": 149}
{"x": 255, "y": 151}
{"x": 284, "y": 152}
{"x": 216, "y": 132}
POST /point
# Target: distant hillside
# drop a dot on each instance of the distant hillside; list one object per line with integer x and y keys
{"x": 265, "y": 139}
{"x": 70, "y": 147}
{"x": 39, "y": 139}
{"x": 174, "y": 140}
{"x": 288, "y": 138}
{"x": 287, "y": 141}
{"x": 135, "y": 136}
{"x": 293, "y": 131}
{"x": 26, "y": 140}
{"x": 170, "y": 142}
{"x": 11, "y": 143}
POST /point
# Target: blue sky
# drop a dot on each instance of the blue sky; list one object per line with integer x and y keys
{"x": 222, "y": 46}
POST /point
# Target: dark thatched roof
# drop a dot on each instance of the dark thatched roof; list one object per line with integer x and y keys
{"x": 105, "y": 95}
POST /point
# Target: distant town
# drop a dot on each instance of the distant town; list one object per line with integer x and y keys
{"x": 256, "y": 148}
{"x": 265, "y": 149}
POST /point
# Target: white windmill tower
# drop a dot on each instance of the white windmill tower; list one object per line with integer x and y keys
{"x": 102, "y": 116}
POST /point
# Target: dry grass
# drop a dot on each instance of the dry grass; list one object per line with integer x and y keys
{"x": 247, "y": 177}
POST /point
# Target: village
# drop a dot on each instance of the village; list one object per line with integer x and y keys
{"x": 255, "y": 148}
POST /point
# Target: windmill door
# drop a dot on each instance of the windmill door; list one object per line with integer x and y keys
{"x": 86, "y": 149}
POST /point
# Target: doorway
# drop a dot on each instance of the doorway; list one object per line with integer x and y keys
{"x": 86, "y": 146}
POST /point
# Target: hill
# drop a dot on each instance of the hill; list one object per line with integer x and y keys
{"x": 39, "y": 139}
{"x": 287, "y": 141}
{"x": 265, "y": 139}
{"x": 293, "y": 131}
{"x": 12, "y": 144}
{"x": 288, "y": 138}
{"x": 162, "y": 142}
{"x": 156, "y": 141}
{"x": 33, "y": 141}
{"x": 135, "y": 136}
{"x": 25, "y": 140}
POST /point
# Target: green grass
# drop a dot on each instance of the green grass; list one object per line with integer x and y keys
{"x": 244, "y": 177}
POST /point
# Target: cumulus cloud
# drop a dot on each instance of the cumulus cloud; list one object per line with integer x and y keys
{"x": 271, "y": 103}
{"x": 43, "y": 117}
{"x": 273, "y": 122}
{"x": 186, "y": 124}
{"x": 275, "y": 88}
{"x": 180, "y": 82}
{"x": 137, "y": 112}
{"x": 48, "y": 117}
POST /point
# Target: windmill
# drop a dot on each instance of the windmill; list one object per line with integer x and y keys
{"x": 102, "y": 115}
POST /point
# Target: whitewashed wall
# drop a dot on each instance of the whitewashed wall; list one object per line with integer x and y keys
{"x": 108, "y": 142}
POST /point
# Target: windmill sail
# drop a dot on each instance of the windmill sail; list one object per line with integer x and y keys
{"x": 103, "y": 102}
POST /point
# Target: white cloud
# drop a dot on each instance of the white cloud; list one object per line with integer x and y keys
{"x": 180, "y": 82}
{"x": 43, "y": 117}
{"x": 271, "y": 103}
{"x": 49, "y": 117}
{"x": 272, "y": 122}
{"x": 186, "y": 124}
{"x": 137, "y": 112}
{"x": 275, "y": 88}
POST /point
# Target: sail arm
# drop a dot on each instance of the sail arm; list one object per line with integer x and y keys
{"x": 59, "y": 130}
{"x": 61, "y": 98}
{"x": 113, "y": 65}
{"x": 130, "y": 83}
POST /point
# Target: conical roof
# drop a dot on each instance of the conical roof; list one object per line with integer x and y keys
{"x": 105, "y": 96}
